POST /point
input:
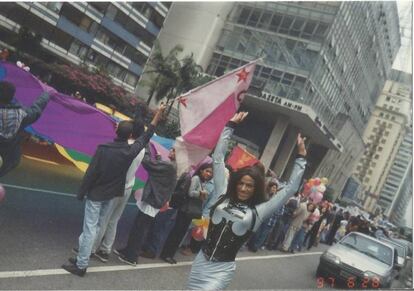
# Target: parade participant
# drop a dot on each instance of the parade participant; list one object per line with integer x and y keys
{"x": 237, "y": 214}
{"x": 278, "y": 233}
{"x": 191, "y": 209}
{"x": 299, "y": 216}
{"x": 105, "y": 179}
{"x": 335, "y": 226}
{"x": 107, "y": 230}
{"x": 318, "y": 227}
{"x": 165, "y": 221}
{"x": 261, "y": 235}
{"x": 13, "y": 119}
{"x": 162, "y": 177}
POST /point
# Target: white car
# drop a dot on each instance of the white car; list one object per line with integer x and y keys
{"x": 358, "y": 261}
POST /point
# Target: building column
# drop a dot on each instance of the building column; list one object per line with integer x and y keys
{"x": 286, "y": 151}
{"x": 274, "y": 141}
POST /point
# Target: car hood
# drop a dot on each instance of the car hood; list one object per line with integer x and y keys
{"x": 358, "y": 260}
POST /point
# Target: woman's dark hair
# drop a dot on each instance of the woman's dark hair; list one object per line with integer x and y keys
{"x": 201, "y": 168}
{"x": 257, "y": 174}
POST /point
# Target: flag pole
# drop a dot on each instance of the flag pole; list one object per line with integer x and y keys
{"x": 221, "y": 77}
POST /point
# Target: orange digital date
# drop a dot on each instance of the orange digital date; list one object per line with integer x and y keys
{"x": 351, "y": 283}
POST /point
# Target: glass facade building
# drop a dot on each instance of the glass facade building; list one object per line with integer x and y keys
{"x": 331, "y": 56}
{"x": 117, "y": 36}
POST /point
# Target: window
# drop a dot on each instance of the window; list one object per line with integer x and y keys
{"x": 254, "y": 17}
{"x": 157, "y": 19}
{"x": 376, "y": 157}
{"x": 276, "y": 20}
{"x": 144, "y": 8}
{"x": 392, "y": 118}
{"x": 383, "y": 141}
{"x": 79, "y": 19}
{"x": 244, "y": 15}
{"x": 131, "y": 79}
{"x": 100, "y": 6}
{"x": 111, "y": 11}
{"x": 310, "y": 27}
{"x": 78, "y": 49}
{"x": 54, "y": 6}
{"x": 62, "y": 39}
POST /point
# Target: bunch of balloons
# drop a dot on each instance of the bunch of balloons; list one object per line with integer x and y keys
{"x": 314, "y": 188}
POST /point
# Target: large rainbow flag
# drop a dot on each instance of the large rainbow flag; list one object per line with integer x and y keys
{"x": 75, "y": 127}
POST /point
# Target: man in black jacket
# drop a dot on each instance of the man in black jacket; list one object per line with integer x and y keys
{"x": 104, "y": 180}
{"x": 13, "y": 119}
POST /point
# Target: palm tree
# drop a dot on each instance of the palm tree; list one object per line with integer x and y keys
{"x": 172, "y": 76}
{"x": 164, "y": 72}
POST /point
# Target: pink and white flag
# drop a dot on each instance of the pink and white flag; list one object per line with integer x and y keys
{"x": 205, "y": 110}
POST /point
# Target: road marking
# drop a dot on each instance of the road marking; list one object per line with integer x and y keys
{"x": 46, "y": 191}
{"x": 38, "y": 190}
{"x": 48, "y": 272}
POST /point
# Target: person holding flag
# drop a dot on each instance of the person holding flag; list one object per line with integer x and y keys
{"x": 237, "y": 214}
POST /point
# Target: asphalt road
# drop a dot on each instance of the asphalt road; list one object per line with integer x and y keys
{"x": 40, "y": 222}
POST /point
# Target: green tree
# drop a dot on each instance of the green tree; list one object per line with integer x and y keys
{"x": 171, "y": 76}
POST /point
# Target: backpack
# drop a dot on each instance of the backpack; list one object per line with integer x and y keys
{"x": 180, "y": 194}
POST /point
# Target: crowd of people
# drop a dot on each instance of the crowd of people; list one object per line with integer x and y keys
{"x": 241, "y": 208}
{"x": 300, "y": 224}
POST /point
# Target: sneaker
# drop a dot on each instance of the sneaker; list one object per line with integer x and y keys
{"x": 73, "y": 269}
{"x": 125, "y": 260}
{"x": 102, "y": 256}
{"x": 169, "y": 260}
{"x": 252, "y": 249}
{"x": 76, "y": 251}
{"x": 72, "y": 261}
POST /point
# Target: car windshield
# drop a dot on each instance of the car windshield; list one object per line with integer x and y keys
{"x": 369, "y": 247}
{"x": 400, "y": 249}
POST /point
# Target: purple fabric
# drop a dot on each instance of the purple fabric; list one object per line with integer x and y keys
{"x": 66, "y": 120}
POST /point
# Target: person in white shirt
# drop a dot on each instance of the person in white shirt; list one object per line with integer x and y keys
{"x": 107, "y": 230}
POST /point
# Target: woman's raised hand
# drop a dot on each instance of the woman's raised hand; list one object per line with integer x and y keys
{"x": 239, "y": 117}
{"x": 301, "y": 145}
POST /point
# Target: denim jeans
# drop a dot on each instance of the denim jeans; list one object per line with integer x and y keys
{"x": 107, "y": 231}
{"x": 95, "y": 211}
{"x": 163, "y": 224}
{"x": 297, "y": 241}
{"x": 259, "y": 238}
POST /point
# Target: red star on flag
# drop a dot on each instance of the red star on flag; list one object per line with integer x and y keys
{"x": 183, "y": 101}
{"x": 242, "y": 75}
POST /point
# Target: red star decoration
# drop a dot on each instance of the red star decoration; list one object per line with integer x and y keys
{"x": 242, "y": 75}
{"x": 183, "y": 101}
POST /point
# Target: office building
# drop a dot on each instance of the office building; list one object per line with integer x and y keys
{"x": 115, "y": 36}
